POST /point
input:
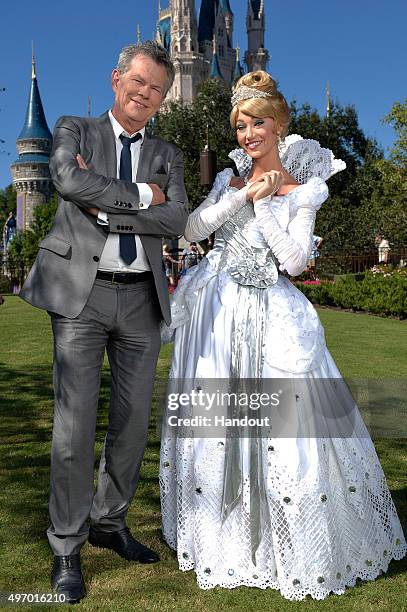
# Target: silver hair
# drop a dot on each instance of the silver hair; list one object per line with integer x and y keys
{"x": 151, "y": 49}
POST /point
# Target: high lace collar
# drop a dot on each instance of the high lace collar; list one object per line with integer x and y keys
{"x": 302, "y": 158}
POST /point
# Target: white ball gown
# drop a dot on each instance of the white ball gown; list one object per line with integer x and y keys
{"x": 326, "y": 515}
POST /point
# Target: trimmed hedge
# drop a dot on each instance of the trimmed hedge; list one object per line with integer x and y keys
{"x": 379, "y": 294}
{"x": 5, "y": 285}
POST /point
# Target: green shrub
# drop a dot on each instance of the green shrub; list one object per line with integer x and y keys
{"x": 4, "y": 285}
{"x": 380, "y": 294}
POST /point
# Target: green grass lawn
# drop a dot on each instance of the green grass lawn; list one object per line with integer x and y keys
{"x": 363, "y": 347}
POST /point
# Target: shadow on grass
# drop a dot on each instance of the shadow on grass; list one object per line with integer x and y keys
{"x": 26, "y": 415}
{"x": 25, "y": 429}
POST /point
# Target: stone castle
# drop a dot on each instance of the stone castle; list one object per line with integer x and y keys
{"x": 202, "y": 48}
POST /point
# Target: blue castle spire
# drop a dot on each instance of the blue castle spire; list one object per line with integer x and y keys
{"x": 225, "y": 6}
{"x": 35, "y": 125}
{"x": 215, "y": 68}
{"x": 238, "y": 67}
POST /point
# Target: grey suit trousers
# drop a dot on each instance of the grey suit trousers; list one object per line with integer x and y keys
{"x": 124, "y": 320}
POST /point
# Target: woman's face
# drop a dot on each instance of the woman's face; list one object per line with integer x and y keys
{"x": 256, "y": 135}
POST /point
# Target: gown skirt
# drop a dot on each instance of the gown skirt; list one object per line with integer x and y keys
{"x": 326, "y": 516}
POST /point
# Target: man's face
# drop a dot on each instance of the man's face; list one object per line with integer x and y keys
{"x": 139, "y": 92}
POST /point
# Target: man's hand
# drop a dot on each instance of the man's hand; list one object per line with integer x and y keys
{"x": 81, "y": 162}
{"x": 158, "y": 196}
{"x": 82, "y": 165}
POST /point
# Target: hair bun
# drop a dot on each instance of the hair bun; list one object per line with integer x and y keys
{"x": 259, "y": 80}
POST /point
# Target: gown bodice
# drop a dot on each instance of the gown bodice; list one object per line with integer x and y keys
{"x": 242, "y": 259}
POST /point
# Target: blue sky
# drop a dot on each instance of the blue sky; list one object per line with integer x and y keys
{"x": 358, "y": 45}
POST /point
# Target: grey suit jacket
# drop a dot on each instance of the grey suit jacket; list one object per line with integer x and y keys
{"x": 64, "y": 271}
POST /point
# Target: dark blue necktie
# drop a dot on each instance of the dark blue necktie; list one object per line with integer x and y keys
{"x": 128, "y": 250}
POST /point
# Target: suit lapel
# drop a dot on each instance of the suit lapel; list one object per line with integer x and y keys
{"x": 146, "y": 158}
{"x": 109, "y": 145}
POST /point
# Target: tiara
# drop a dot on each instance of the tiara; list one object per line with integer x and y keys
{"x": 245, "y": 93}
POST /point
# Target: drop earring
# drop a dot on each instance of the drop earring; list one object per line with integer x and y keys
{"x": 280, "y": 144}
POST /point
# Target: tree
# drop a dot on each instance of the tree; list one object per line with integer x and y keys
{"x": 8, "y": 202}
{"x": 397, "y": 117}
{"x": 344, "y": 221}
{"x": 24, "y": 248}
{"x": 339, "y": 132}
{"x": 393, "y": 174}
{"x": 185, "y": 126}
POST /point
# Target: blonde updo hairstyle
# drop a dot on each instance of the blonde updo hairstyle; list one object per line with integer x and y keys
{"x": 275, "y": 106}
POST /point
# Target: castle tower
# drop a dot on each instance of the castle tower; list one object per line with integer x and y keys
{"x": 164, "y": 27}
{"x": 31, "y": 176}
{"x": 184, "y": 28}
{"x": 215, "y": 68}
{"x": 207, "y": 16}
{"x": 228, "y": 16}
{"x": 216, "y": 19}
{"x": 256, "y": 56}
{"x": 238, "y": 67}
{"x": 178, "y": 32}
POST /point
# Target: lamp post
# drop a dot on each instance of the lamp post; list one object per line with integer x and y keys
{"x": 208, "y": 159}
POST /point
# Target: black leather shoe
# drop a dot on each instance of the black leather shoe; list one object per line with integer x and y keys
{"x": 124, "y": 544}
{"x": 67, "y": 579}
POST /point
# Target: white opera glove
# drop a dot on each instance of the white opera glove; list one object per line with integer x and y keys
{"x": 214, "y": 211}
{"x": 293, "y": 246}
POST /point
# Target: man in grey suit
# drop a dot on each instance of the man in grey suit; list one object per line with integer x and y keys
{"x": 99, "y": 274}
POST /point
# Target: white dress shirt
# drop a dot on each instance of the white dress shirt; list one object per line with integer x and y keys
{"x": 110, "y": 259}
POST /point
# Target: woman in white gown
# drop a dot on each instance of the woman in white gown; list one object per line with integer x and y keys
{"x": 303, "y": 514}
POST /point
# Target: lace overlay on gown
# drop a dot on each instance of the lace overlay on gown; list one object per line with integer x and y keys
{"x": 331, "y": 517}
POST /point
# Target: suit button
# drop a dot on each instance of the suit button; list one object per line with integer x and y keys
{"x": 131, "y": 227}
{"x": 116, "y": 202}
{"x": 129, "y": 205}
{"x": 118, "y": 227}
{"x": 95, "y": 258}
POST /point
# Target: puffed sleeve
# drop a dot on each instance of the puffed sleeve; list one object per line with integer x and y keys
{"x": 207, "y": 218}
{"x": 293, "y": 246}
